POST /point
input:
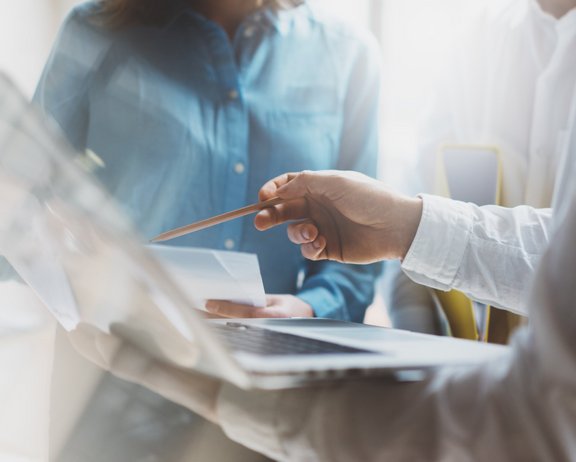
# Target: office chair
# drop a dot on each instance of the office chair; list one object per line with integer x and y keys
{"x": 472, "y": 174}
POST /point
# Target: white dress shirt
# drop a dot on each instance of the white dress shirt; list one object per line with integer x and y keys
{"x": 487, "y": 252}
{"x": 520, "y": 407}
{"x": 511, "y": 83}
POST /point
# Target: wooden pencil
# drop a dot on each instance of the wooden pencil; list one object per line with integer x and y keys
{"x": 216, "y": 220}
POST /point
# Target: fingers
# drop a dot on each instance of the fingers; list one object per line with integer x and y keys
{"x": 303, "y": 188}
{"x": 303, "y": 232}
{"x": 296, "y": 186}
{"x": 315, "y": 250}
{"x": 293, "y": 185}
{"x": 327, "y": 183}
{"x": 313, "y": 245}
{"x": 205, "y": 314}
{"x": 270, "y": 188}
{"x": 293, "y": 210}
{"x": 277, "y": 306}
{"x": 234, "y": 310}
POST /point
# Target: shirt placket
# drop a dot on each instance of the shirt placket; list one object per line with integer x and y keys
{"x": 540, "y": 138}
{"x": 233, "y": 132}
{"x": 554, "y": 82}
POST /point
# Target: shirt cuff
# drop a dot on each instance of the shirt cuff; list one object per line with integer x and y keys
{"x": 322, "y": 302}
{"x": 440, "y": 242}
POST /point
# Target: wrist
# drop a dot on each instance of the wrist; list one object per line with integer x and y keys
{"x": 304, "y": 307}
{"x": 410, "y": 214}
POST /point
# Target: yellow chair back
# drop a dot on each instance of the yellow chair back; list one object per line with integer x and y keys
{"x": 453, "y": 179}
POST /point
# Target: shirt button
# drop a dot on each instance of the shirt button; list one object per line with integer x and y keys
{"x": 239, "y": 168}
{"x": 249, "y": 31}
{"x": 229, "y": 244}
{"x": 233, "y": 94}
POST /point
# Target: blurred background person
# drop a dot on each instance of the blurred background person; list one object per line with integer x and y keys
{"x": 192, "y": 104}
{"x": 509, "y": 84}
{"x": 188, "y": 106}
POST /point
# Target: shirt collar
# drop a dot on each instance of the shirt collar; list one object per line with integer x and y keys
{"x": 565, "y": 23}
{"x": 267, "y": 14}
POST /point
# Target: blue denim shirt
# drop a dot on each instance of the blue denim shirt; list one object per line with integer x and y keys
{"x": 189, "y": 123}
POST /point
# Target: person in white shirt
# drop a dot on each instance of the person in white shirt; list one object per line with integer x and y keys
{"x": 517, "y": 407}
{"x": 510, "y": 83}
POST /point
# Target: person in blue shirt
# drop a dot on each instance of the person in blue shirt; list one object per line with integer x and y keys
{"x": 191, "y": 105}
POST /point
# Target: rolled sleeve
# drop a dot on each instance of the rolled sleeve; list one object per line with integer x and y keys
{"x": 338, "y": 291}
{"x": 490, "y": 253}
{"x": 440, "y": 242}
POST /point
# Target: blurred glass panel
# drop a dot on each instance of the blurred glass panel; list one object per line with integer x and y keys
{"x": 68, "y": 239}
{"x": 416, "y": 38}
{"x": 357, "y": 12}
{"x": 56, "y": 222}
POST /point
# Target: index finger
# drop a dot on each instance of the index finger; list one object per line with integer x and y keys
{"x": 270, "y": 188}
{"x": 295, "y": 209}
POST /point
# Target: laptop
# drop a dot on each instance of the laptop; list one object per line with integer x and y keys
{"x": 57, "y": 222}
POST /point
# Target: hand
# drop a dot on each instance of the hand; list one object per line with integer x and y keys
{"x": 187, "y": 388}
{"x": 277, "y": 306}
{"x": 344, "y": 216}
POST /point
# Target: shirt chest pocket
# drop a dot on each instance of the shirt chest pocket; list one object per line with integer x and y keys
{"x": 303, "y": 130}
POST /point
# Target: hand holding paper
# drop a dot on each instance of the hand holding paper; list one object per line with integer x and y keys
{"x": 277, "y": 306}
{"x": 210, "y": 274}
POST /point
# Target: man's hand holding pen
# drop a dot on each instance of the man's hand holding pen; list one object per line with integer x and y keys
{"x": 341, "y": 216}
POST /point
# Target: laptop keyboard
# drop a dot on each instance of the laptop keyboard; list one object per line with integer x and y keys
{"x": 264, "y": 342}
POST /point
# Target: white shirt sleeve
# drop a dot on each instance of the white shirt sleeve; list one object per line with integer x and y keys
{"x": 519, "y": 407}
{"x": 490, "y": 252}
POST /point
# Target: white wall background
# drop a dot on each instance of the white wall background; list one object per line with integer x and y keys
{"x": 415, "y": 38}
{"x": 27, "y": 29}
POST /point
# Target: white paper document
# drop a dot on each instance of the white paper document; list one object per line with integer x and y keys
{"x": 212, "y": 274}
{"x": 201, "y": 274}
